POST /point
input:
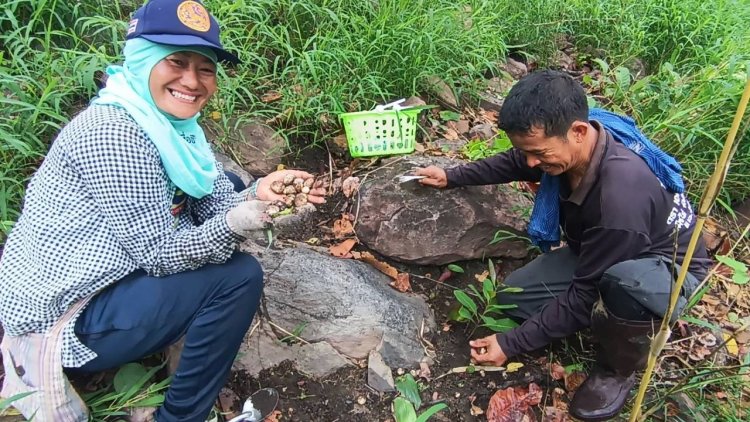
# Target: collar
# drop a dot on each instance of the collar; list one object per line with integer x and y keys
{"x": 592, "y": 171}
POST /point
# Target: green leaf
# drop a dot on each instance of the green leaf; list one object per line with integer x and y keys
{"x": 150, "y": 401}
{"x": 622, "y": 76}
{"x": 511, "y": 290}
{"x": 449, "y": 115}
{"x": 488, "y": 289}
{"x": 128, "y": 376}
{"x": 403, "y": 410}
{"x": 464, "y": 314}
{"x": 500, "y": 308}
{"x": 407, "y": 386}
{"x": 740, "y": 275}
{"x": 431, "y": 411}
{"x": 701, "y": 323}
{"x": 466, "y": 301}
{"x": 502, "y": 325}
{"x": 491, "y": 270}
{"x": 455, "y": 268}
{"x": 6, "y": 403}
{"x": 573, "y": 367}
{"x": 733, "y": 317}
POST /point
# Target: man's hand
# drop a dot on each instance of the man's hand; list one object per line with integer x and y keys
{"x": 247, "y": 217}
{"x": 436, "y": 176}
{"x": 492, "y": 352}
{"x": 264, "y": 192}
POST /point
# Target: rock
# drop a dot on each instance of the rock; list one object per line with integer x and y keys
{"x": 483, "y": 131}
{"x": 515, "y": 68}
{"x": 379, "y": 375}
{"x": 263, "y": 350}
{"x": 563, "y": 61}
{"x": 448, "y": 145}
{"x": 490, "y": 101}
{"x": 345, "y": 303}
{"x": 258, "y": 147}
{"x": 743, "y": 213}
{"x": 443, "y": 92}
{"x": 413, "y": 101}
{"x": 415, "y": 224}
{"x": 231, "y": 166}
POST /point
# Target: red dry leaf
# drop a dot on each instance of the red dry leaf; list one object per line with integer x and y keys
{"x": 342, "y": 228}
{"x": 273, "y": 417}
{"x": 557, "y": 371}
{"x": 553, "y": 414}
{"x": 401, "y": 283}
{"x": 513, "y": 404}
{"x": 342, "y": 249}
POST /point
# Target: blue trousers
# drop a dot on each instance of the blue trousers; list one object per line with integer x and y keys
{"x": 139, "y": 315}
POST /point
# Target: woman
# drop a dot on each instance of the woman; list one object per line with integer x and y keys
{"x": 127, "y": 238}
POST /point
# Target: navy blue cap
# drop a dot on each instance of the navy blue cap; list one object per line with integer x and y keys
{"x": 178, "y": 22}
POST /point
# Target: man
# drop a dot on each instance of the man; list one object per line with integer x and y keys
{"x": 621, "y": 205}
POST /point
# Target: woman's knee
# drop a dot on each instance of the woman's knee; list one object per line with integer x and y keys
{"x": 247, "y": 273}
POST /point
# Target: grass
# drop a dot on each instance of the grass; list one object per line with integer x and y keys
{"x": 329, "y": 56}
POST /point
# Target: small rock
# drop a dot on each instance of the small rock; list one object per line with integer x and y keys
{"x": 443, "y": 92}
{"x": 563, "y": 60}
{"x": 379, "y": 374}
{"x": 515, "y": 68}
{"x": 491, "y": 102}
{"x": 483, "y": 131}
{"x": 361, "y": 400}
{"x": 413, "y": 101}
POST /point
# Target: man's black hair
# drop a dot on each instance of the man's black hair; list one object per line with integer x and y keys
{"x": 547, "y": 99}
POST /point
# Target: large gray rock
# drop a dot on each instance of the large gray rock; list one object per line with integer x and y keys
{"x": 415, "y": 224}
{"x": 344, "y": 303}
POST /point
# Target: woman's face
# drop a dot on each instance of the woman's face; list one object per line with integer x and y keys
{"x": 182, "y": 83}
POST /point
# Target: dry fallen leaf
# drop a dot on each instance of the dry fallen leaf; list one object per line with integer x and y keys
{"x": 697, "y": 353}
{"x": 558, "y": 399}
{"x": 340, "y": 141}
{"x": 271, "y": 96}
{"x": 574, "y": 380}
{"x": 483, "y": 276}
{"x": 379, "y": 265}
{"x": 513, "y": 404}
{"x": 475, "y": 410}
{"x": 227, "y": 399}
{"x": 424, "y": 371}
{"x": 273, "y": 417}
{"x": 342, "y": 249}
{"x": 553, "y": 414}
{"x": 731, "y": 344}
{"x": 350, "y": 186}
{"x": 342, "y": 227}
{"x": 513, "y": 367}
{"x": 450, "y": 134}
{"x": 401, "y": 283}
{"x": 557, "y": 371}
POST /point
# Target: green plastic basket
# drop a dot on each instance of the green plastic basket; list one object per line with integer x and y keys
{"x": 385, "y": 132}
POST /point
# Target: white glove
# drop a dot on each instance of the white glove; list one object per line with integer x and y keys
{"x": 247, "y": 217}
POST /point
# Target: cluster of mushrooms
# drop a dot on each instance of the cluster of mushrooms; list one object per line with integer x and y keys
{"x": 294, "y": 189}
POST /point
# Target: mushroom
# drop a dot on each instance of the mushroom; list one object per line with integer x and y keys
{"x": 289, "y": 190}
{"x": 289, "y": 200}
{"x": 308, "y": 183}
{"x": 300, "y": 200}
{"x": 277, "y": 187}
{"x": 273, "y": 210}
{"x": 305, "y": 189}
{"x": 288, "y": 179}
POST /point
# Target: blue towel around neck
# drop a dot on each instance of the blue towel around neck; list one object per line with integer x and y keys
{"x": 544, "y": 225}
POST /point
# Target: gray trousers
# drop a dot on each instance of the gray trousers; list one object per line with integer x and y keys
{"x": 637, "y": 289}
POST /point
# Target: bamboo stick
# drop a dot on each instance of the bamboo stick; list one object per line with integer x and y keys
{"x": 704, "y": 208}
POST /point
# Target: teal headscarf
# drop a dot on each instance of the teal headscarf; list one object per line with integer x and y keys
{"x": 185, "y": 153}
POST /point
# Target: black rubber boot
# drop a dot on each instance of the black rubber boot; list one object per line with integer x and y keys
{"x": 624, "y": 347}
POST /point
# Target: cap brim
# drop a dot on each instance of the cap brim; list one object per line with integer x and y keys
{"x": 191, "y": 40}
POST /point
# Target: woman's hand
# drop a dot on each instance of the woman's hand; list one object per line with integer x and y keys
{"x": 264, "y": 192}
{"x": 436, "y": 176}
{"x": 487, "y": 351}
{"x": 247, "y": 217}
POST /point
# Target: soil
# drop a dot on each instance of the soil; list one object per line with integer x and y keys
{"x": 339, "y": 397}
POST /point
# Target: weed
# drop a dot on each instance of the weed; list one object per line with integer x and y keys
{"x": 484, "y": 310}
{"x": 406, "y": 405}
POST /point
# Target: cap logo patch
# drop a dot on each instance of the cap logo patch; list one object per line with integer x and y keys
{"x": 132, "y": 26}
{"x": 193, "y": 15}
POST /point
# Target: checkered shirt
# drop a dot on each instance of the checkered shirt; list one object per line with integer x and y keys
{"x": 100, "y": 207}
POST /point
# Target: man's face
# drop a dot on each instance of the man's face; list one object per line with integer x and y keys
{"x": 554, "y": 155}
{"x": 182, "y": 83}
